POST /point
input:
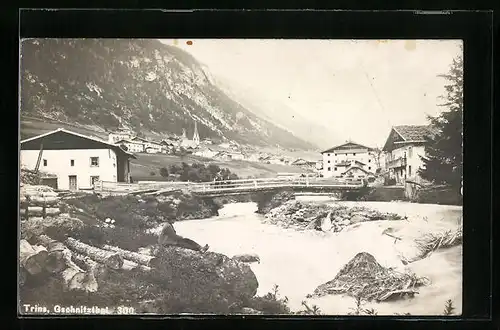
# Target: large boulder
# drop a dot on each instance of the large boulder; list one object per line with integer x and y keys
{"x": 185, "y": 281}
{"x": 203, "y": 273}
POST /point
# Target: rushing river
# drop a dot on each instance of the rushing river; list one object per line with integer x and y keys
{"x": 299, "y": 261}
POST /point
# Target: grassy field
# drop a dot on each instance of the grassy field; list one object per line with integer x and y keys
{"x": 147, "y": 163}
{"x": 33, "y": 126}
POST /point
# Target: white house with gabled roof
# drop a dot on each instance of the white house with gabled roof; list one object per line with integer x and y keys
{"x": 78, "y": 161}
{"x": 337, "y": 160}
{"x": 403, "y": 150}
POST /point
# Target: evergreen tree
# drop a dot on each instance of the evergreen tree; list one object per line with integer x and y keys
{"x": 443, "y": 159}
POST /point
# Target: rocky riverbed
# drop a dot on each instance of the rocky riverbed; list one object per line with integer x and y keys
{"x": 326, "y": 217}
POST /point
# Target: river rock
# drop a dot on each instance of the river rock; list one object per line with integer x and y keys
{"x": 326, "y": 223}
{"x": 358, "y": 218}
{"x": 202, "y": 273}
{"x": 345, "y": 223}
{"x": 338, "y": 219}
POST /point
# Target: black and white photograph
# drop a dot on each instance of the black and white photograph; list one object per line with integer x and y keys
{"x": 240, "y": 177}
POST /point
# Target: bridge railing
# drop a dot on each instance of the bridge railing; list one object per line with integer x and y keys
{"x": 249, "y": 184}
{"x": 229, "y": 185}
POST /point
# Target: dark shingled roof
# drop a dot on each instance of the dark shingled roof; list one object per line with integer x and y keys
{"x": 414, "y": 132}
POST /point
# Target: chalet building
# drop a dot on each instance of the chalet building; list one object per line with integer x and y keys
{"x": 207, "y": 153}
{"x": 78, "y": 161}
{"x": 303, "y": 163}
{"x": 167, "y": 146}
{"x": 265, "y": 159}
{"x": 132, "y": 146}
{"x": 236, "y": 155}
{"x": 337, "y": 160}
{"x": 119, "y": 135}
{"x": 254, "y": 158}
{"x": 402, "y": 150}
{"x": 223, "y": 155}
{"x": 277, "y": 160}
{"x": 356, "y": 172}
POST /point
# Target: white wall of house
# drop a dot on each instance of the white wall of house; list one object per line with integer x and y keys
{"x": 115, "y": 137}
{"x": 134, "y": 147}
{"x": 153, "y": 150}
{"x": 237, "y": 156}
{"x": 413, "y": 162}
{"x": 330, "y": 159}
{"x": 59, "y": 162}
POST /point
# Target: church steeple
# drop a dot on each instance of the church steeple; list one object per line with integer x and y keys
{"x": 196, "y": 136}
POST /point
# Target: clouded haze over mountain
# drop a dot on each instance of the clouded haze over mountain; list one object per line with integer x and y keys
{"x": 349, "y": 89}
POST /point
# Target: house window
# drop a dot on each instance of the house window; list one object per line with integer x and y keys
{"x": 328, "y": 162}
{"x": 93, "y": 180}
{"x": 369, "y": 168}
{"x": 369, "y": 160}
{"x": 354, "y": 154}
{"x": 409, "y": 170}
{"x": 335, "y": 169}
{"x": 328, "y": 155}
{"x": 94, "y": 161}
{"x": 72, "y": 162}
{"x": 335, "y": 154}
{"x": 45, "y": 162}
{"x": 329, "y": 169}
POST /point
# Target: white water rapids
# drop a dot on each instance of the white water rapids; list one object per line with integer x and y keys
{"x": 299, "y": 261}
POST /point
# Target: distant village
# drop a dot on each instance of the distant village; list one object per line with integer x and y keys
{"x": 76, "y": 161}
{"x": 206, "y": 148}
{"x": 399, "y": 159}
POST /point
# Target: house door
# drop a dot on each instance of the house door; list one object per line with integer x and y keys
{"x": 72, "y": 182}
{"x": 93, "y": 181}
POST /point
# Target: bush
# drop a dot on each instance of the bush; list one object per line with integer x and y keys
{"x": 439, "y": 195}
{"x": 389, "y": 181}
{"x": 198, "y": 172}
{"x": 164, "y": 172}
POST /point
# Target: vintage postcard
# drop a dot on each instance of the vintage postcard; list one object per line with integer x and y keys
{"x": 240, "y": 176}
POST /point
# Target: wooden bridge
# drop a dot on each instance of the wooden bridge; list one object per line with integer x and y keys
{"x": 233, "y": 187}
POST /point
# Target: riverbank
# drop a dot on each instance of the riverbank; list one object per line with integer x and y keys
{"x": 299, "y": 261}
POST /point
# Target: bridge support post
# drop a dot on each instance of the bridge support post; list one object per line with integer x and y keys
{"x": 255, "y": 183}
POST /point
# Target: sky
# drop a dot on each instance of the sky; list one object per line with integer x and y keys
{"x": 355, "y": 89}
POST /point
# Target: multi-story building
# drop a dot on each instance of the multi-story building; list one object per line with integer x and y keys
{"x": 403, "y": 150}
{"x": 119, "y": 135}
{"x": 132, "y": 146}
{"x": 338, "y": 160}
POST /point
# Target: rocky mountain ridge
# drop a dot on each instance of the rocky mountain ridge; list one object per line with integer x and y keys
{"x": 139, "y": 84}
